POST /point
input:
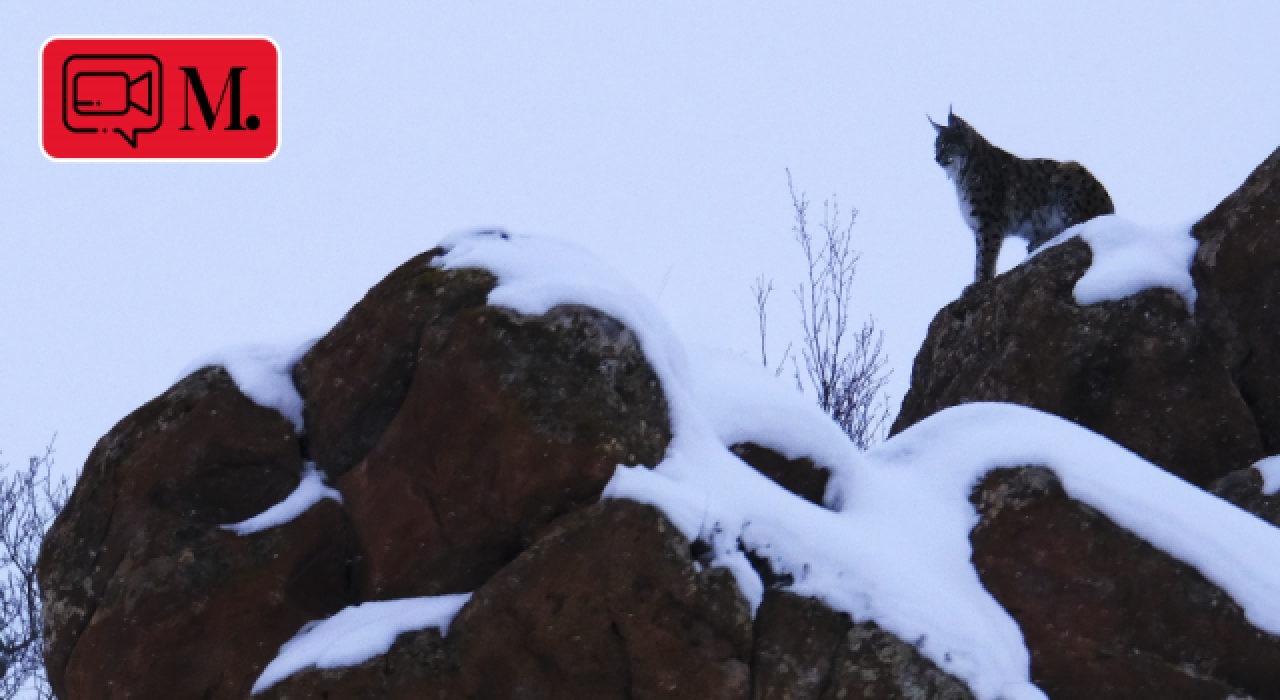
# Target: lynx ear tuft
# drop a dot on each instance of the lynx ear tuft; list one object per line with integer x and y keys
{"x": 951, "y": 116}
{"x": 937, "y": 127}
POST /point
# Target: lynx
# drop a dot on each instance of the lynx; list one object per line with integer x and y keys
{"x": 1004, "y": 195}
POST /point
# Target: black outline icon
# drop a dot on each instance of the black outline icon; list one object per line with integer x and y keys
{"x": 155, "y": 101}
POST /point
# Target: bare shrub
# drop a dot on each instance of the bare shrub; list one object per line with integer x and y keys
{"x": 845, "y": 367}
{"x": 30, "y": 499}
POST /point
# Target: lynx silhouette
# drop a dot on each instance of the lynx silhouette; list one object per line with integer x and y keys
{"x": 1004, "y": 195}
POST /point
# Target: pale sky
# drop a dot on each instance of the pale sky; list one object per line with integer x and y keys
{"x": 656, "y": 134}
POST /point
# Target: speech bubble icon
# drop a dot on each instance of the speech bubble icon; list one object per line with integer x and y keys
{"x": 112, "y": 93}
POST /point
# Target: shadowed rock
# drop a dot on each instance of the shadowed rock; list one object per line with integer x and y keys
{"x": 799, "y": 476}
{"x": 1237, "y": 272}
{"x": 145, "y": 595}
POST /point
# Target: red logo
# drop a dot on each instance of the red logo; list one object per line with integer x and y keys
{"x": 160, "y": 98}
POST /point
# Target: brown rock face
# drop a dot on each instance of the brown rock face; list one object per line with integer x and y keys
{"x": 806, "y": 651}
{"x": 355, "y": 378}
{"x": 470, "y": 427}
{"x": 607, "y": 604}
{"x": 145, "y": 595}
{"x": 1105, "y": 614}
{"x": 1237, "y": 270}
{"x": 1138, "y": 370}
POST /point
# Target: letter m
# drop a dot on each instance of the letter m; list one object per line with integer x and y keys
{"x": 209, "y": 112}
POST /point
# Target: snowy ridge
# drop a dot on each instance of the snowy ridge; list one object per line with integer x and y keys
{"x": 1128, "y": 258}
{"x": 264, "y": 373}
{"x": 311, "y": 490}
{"x": 895, "y": 547}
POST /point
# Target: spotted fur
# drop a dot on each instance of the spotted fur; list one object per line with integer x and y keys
{"x": 1003, "y": 195}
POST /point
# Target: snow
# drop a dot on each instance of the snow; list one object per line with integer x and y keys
{"x": 1270, "y": 470}
{"x": 311, "y": 490}
{"x": 264, "y": 373}
{"x": 893, "y": 545}
{"x": 357, "y": 634}
{"x": 1128, "y": 258}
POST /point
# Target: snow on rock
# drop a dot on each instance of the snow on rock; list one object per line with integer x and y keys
{"x": 359, "y": 633}
{"x": 1128, "y": 258}
{"x": 264, "y": 373}
{"x": 895, "y": 547}
{"x": 311, "y": 490}
{"x": 1270, "y": 470}
{"x": 749, "y": 404}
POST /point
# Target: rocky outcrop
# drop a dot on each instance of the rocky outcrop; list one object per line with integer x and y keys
{"x": 1193, "y": 393}
{"x": 1140, "y": 370}
{"x": 1106, "y": 615}
{"x": 471, "y": 444}
{"x": 454, "y": 431}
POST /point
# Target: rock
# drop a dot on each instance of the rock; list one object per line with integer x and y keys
{"x": 355, "y": 378}
{"x": 806, "y": 651}
{"x": 488, "y": 424}
{"x": 1243, "y": 487}
{"x": 875, "y": 665}
{"x": 799, "y": 476}
{"x": 145, "y": 595}
{"x": 606, "y": 604}
{"x": 1104, "y": 614}
{"x": 1237, "y": 272}
{"x": 796, "y": 641}
{"x": 1138, "y": 371}
{"x": 420, "y": 665}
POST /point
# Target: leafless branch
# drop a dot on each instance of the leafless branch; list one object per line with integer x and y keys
{"x": 29, "y": 501}
{"x": 761, "y": 288}
{"x": 846, "y": 369}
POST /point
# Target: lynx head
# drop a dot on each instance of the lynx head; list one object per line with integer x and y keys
{"x": 954, "y": 143}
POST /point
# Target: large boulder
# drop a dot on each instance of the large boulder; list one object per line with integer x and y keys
{"x": 607, "y": 604}
{"x": 1104, "y": 614}
{"x": 145, "y": 595}
{"x": 1237, "y": 271}
{"x": 1196, "y": 393}
{"x": 457, "y": 430}
{"x": 1139, "y": 370}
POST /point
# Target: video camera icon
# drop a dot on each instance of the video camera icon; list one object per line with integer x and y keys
{"x": 112, "y": 93}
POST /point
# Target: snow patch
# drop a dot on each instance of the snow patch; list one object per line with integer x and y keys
{"x": 894, "y": 547}
{"x": 311, "y": 490}
{"x": 264, "y": 373}
{"x": 357, "y": 634}
{"x": 1270, "y": 470}
{"x": 1128, "y": 258}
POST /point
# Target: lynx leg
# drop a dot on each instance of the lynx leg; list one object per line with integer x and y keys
{"x": 988, "y": 243}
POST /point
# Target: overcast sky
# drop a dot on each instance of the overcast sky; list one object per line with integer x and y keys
{"x": 655, "y": 133}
